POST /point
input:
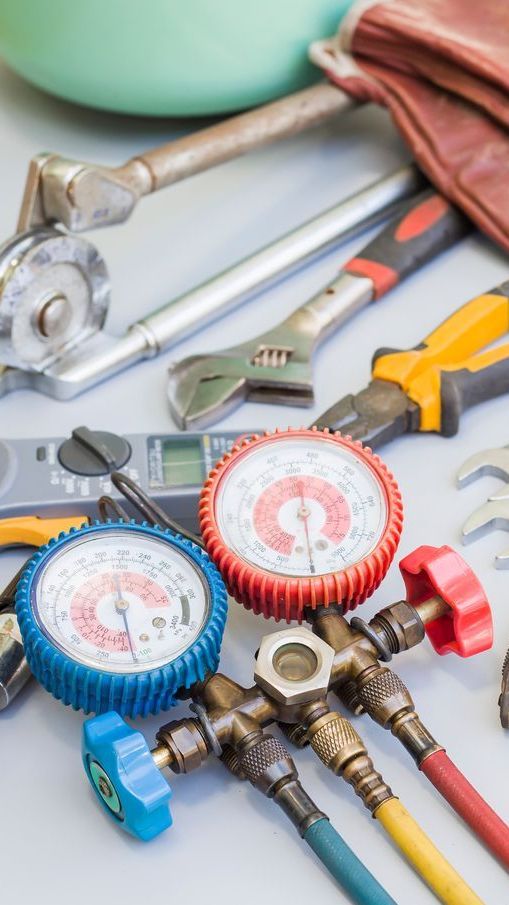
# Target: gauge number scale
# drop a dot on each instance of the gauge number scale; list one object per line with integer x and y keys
{"x": 120, "y": 602}
{"x": 300, "y": 506}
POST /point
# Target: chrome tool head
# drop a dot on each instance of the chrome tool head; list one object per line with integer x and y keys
{"x": 204, "y": 388}
{"x": 54, "y": 292}
{"x": 488, "y": 462}
{"x": 494, "y": 514}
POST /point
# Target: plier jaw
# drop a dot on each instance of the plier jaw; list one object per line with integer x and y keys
{"x": 427, "y": 388}
{"x": 379, "y": 413}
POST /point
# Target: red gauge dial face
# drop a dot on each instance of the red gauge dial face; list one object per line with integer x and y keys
{"x": 301, "y": 506}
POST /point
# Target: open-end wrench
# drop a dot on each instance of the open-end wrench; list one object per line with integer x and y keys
{"x": 275, "y": 367}
{"x": 494, "y": 513}
{"x": 491, "y": 515}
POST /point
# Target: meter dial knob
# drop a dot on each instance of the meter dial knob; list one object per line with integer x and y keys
{"x": 120, "y": 616}
{"x": 92, "y": 453}
{"x": 298, "y": 519}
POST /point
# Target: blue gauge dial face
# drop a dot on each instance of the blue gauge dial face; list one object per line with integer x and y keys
{"x": 121, "y": 601}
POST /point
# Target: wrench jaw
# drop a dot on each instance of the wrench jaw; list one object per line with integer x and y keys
{"x": 493, "y": 462}
{"x": 213, "y": 398}
{"x": 204, "y": 388}
{"x": 491, "y": 516}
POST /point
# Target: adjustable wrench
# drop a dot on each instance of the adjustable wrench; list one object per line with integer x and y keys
{"x": 275, "y": 367}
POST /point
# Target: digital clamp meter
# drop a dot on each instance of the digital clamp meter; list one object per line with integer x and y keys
{"x": 58, "y": 476}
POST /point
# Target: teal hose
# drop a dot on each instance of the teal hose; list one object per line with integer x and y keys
{"x": 344, "y": 866}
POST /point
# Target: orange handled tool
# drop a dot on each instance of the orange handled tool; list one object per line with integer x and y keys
{"x": 428, "y": 387}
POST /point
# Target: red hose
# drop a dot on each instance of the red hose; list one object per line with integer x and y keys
{"x": 467, "y": 802}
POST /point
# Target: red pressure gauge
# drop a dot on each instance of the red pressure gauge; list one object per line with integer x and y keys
{"x": 300, "y": 518}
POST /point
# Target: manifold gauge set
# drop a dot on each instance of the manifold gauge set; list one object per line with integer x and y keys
{"x": 125, "y": 619}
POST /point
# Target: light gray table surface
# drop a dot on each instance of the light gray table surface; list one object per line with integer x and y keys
{"x": 228, "y": 844}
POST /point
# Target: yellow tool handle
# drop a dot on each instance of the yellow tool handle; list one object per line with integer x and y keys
{"x": 444, "y": 392}
{"x": 419, "y": 850}
{"x": 33, "y": 532}
{"x": 443, "y": 376}
{"x": 472, "y": 327}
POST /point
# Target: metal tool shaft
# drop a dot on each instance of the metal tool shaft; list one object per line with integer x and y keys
{"x": 105, "y": 355}
{"x": 232, "y": 137}
{"x": 220, "y": 294}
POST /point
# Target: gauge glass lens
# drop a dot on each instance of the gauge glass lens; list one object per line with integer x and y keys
{"x": 120, "y": 601}
{"x": 301, "y": 507}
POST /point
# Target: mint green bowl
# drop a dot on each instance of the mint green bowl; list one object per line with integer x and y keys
{"x": 166, "y": 57}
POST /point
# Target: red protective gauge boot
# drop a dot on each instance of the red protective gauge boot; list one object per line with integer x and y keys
{"x": 467, "y": 626}
{"x": 300, "y": 518}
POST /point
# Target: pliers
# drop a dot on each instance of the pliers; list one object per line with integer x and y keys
{"x": 428, "y": 387}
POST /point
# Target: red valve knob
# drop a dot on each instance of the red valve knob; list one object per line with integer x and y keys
{"x": 467, "y": 627}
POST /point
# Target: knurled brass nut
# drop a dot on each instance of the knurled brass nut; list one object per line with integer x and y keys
{"x": 294, "y": 666}
{"x": 408, "y": 620}
{"x": 186, "y": 744}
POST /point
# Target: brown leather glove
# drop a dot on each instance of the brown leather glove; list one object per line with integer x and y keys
{"x": 442, "y": 69}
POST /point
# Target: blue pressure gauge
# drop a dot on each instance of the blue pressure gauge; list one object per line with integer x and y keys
{"x": 120, "y": 616}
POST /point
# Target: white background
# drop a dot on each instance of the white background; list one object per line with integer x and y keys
{"x": 229, "y": 844}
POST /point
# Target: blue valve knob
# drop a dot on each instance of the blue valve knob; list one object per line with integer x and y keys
{"x": 123, "y": 774}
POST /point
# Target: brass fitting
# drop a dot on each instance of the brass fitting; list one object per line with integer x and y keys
{"x": 185, "y": 743}
{"x": 269, "y": 768}
{"x": 387, "y": 700}
{"x": 294, "y": 666}
{"x": 341, "y": 749}
{"x": 398, "y": 626}
{"x": 231, "y": 761}
{"x": 383, "y": 695}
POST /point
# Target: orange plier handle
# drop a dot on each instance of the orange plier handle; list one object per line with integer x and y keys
{"x": 31, "y": 531}
{"x": 444, "y": 375}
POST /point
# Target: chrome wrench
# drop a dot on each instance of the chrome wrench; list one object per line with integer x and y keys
{"x": 275, "y": 367}
{"x": 494, "y": 513}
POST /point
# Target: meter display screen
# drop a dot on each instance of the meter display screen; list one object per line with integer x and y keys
{"x": 182, "y": 461}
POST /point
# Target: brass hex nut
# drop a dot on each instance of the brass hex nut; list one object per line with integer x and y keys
{"x": 294, "y": 666}
{"x": 405, "y": 623}
{"x": 186, "y": 744}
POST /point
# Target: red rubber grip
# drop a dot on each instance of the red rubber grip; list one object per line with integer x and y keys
{"x": 382, "y": 277}
{"x": 467, "y": 628}
{"x": 468, "y": 803}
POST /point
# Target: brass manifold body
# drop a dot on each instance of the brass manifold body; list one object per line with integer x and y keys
{"x": 295, "y": 669}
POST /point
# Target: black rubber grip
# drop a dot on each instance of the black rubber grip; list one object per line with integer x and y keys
{"x": 426, "y": 226}
{"x": 460, "y": 390}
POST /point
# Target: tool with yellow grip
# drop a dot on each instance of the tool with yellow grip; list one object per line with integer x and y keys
{"x": 32, "y": 532}
{"x": 428, "y": 387}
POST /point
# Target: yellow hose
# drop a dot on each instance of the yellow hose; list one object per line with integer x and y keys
{"x": 422, "y": 854}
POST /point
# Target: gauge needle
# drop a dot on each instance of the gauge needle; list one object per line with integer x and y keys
{"x": 121, "y": 607}
{"x": 304, "y": 513}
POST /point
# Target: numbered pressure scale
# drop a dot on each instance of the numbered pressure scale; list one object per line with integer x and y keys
{"x": 120, "y": 617}
{"x": 301, "y": 518}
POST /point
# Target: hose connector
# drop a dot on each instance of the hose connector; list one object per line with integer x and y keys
{"x": 341, "y": 749}
{"x": 267, "y": 764}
